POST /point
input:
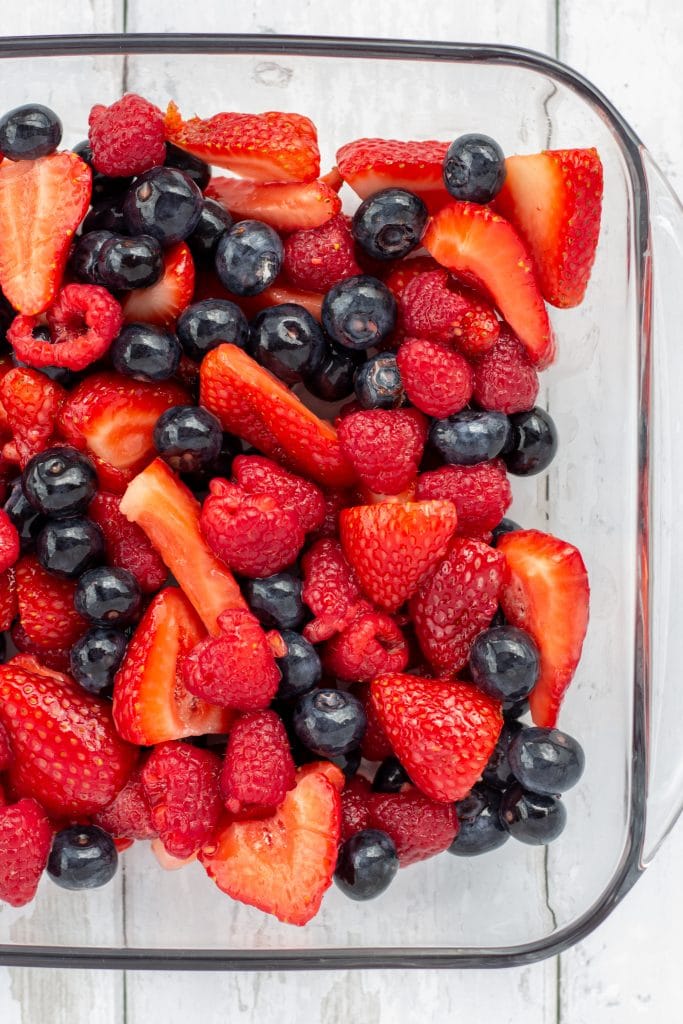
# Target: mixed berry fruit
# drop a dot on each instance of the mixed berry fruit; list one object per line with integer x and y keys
{"x": 267, "y": 608}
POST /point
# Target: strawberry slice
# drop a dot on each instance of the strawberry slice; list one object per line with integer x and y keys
{"x": 554, "y": 200}
{"x": 207, "y": 286}
{"x": 483, "y": 249}
{"x": 282, "y": 864}
{"x": 169, "y": 514}
{"x": 548, "y": 596}
{"x": 42, "y": 202}
{"x": 394, "y": 546}
{"x": 163, "y": 302}
{"x": 268, "y": 147}
{"x": 253, "y": 404}
{"x": 285, "y": 206}
{"x": 368, "y": 165}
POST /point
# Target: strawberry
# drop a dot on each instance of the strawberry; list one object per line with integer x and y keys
{"x": 83, "y": 763}
{"x": 437, "y": 380}
{"x": 481, "y": 247}
{"x": 169, "y": 514}
{"x": 126, "y": 544}
{"x": 554, "y": 201}
{"x": 432, "y": 306}
{"x": 504, "y": 378}
{"x": 42, "y": 202}
{"x": 31, "y": 402}
{"x": 207, "y": 286}
{"x": 371, "y": 645}
{"x": 368, "y": 165}
{"x": 257, "y": 475}
{"x": 253, "y": 404}
{"x": 25, "y": 842}
{"x": 318, "y": 257}
{"x": 375, "y": 745}
{"x": 5, "y": 750}
{"x": 330, "y": 589}
{"x": 180, "y": 784}
{"x": 547, "y": 595}
{"x": 419, "y": 827}
{"x": 113, "y": 419}
{"x": 393, "y": 547}
{"x": 163, "y": 302}
{"x": 480, "y": 493}
{"x": 384, "y": 446}
{"x": 457, "y": 601}
{"x": 46, "y": 605}
{"x": 355, "y": 807}
{"x": 268, "y": 147}
{"x": 9, "y": 542}
{"x": 282, "y": 864}
{"x": 258, "y": 766}
{"x": 151, "y": 703}
{"x": 57, "y": 658}
{"x": 128, "y": 815}
{"x": 286, "y": 206}
{"x": 443, "y": 732}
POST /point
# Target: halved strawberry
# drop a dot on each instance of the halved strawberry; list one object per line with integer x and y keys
{"x": 113, "y": 418}
{"x": 286, "y": 206}
{"x": 42, "y": 202}
{"x": 164, "y": 301}
{"x": 554, "y": 200}
{"x": 548, "y": 596}
{"x": 207, "y": 286}
{"x": 282, "y": 864}
{"x": 483, "y": 249}
{"x": 368, "y": 165}
{"x": 169, "y": 514}
{"x": 268, "y": 147}
{"x": 253, "y": 404}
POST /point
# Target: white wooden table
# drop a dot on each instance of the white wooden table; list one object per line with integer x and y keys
{"x": 628, "y": 971}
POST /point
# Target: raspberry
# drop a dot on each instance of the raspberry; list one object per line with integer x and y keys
{"x": 419, "y": 827}
{"x": 126, "y": 544}
{"x": 375, "y": 745}
{"x": 84, "y": 320}
{"x": 258, "y": 767}
{"x": 384, "y": 446}
{"x": 331, "y": 590}
{"x": 25, "y": 841}
{"x": 258, "y": 475}
{"x": 46, "y": 605}
{"x": 8, "y": 599}
{"x": 336, "y": 498}
{"x": 128, "y": 137}
{"x": 9, "y": 542}
{"x": 128, "y": 815}
{"x": 355, "y": 809}
{"x": 434, "y": 307}
{"x": 436, "y": 379}
{"x": 316, "y": 258}
{"x": 481, "y": 493}
{"x": 31, "y": 402}
{"x": 371, "y": 645}
{"x": 504, "y": 378}
{"x": 250, "y": 532}
{"x": 180, "y": 783}
{"x": 235, "y": 669}
{"x": 56, "y": 658}
{"x": 5, "y": 750}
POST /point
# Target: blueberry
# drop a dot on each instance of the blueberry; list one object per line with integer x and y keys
{"x": 378, "y": 383}
{"x": 163, "y": 202}
{"x": 106, "y": 215}
{"x": 276, "y": 601}
{"x": 359, "y": 312}
{"x": 546, "y": 760}
{"x": 388, "y": 224}
{"x": 498, "y": 772}
{"x": 532, "y": 818}
{"x": 188, "y": 438}
{"x": 511, "y": 712}
{"x": 249, "y": 257}
{"x": 205, "y": 325}
{"x": 127, "y": 263}
{"x": 213, "y": 221}
{"x": 96, "y": 657}
{"x": 191, "y": 165}
{"x": 469, "y": 437}
{"x": 532, "y": 443}
{"x": 504, "y": 526}
{"x": 59, "y": 481}
{"x": 82, "y": 857}
{"x": 329, "y": 722}
{"x": 83, "y": 259}
{"x": 348, "y": 763}
{"x": 504, "y": 663}
{"x": 299, "y": 667}
{"x": 480, "y": 826}
{"x": 29, "y": 132}
{"x": 146, "y": 352}
{"x": 390, "y": 777}
{"x": 333, "y": 381}
{"x": 108, "y": 596}
{"x": 474, "y": 168}
{"x": 288, "y": 341}
{"x": 28, "y": 522}
{"x": 366, "y": 865}
{"x": 67, "y": 547}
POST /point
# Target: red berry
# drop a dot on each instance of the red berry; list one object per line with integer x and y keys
{"x": 384, "y": 446}
{"x": 404, "y": 271}
{"x": 436, "y": 379}
{"x": 504, "y": 378}
{"x": 419, "y": 827}
{"x": 434, "y": 307}
{"x": 319, "y": 257}
{"x": 8, "y": 599}
{"x": 258, "y": 767}
{"x": 56, "y": 658}
{"x": 481, "y": 493}
{"x": 258, "y": 475}
{"x": 371, "y": 645}
{"x": 336, "y": 498}
{"x": 126, "y": 545}
{"x": 5, "y": 750}
{"x": 375, "y": 745}
{"x": 9, "y": 542}
{"x": 31, "y": 402}
{"x": 46, "y": 605}
{"x": 128, "y": 815}
{"x": 286, "y": 206}
{"x": 128, "y": 137}
{"x": 25, "y": 842}
{"x": 330, "y": 589}
{"x": 355, "y": 807}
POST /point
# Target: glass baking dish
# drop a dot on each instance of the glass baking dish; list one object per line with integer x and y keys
{"x": 615, "y": 490}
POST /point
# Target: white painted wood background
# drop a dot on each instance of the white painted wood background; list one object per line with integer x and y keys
{"x": 628, "y": 972}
